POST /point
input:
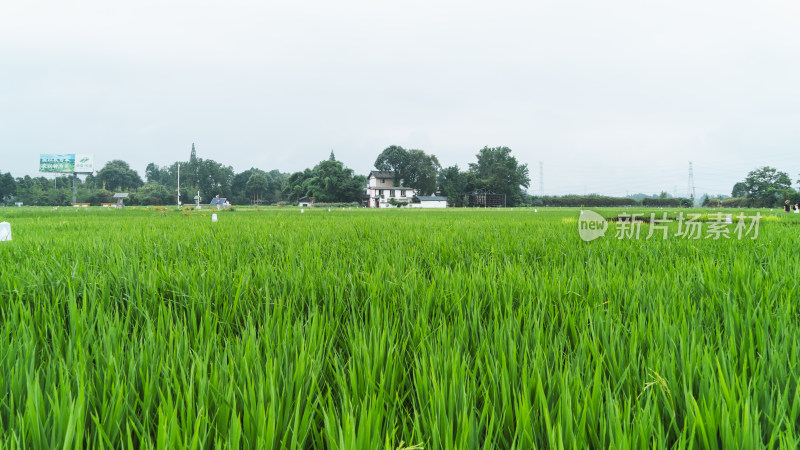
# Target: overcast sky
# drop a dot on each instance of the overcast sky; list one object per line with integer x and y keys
{"x": 613, "y": 97}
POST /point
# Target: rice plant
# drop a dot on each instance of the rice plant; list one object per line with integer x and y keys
{"x": 393, "y": 329}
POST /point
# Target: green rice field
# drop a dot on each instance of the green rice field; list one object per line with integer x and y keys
{"x": 393, "y": 329}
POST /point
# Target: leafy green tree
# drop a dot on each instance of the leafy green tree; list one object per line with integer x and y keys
{"x": 152, "y": 173}
{"x": 117, "y": 175}
{"x": 454, "y": 184}
{"x": 394, "y": 159}
{"x": 154, "y": 194}
{"x": 271, "y": 193}
{"x": 239, "y": 194}
{"x": 276, "y": 183}
{"x": 93, "y": 196}
{"x": 331, "y": 182}
{"x": 33, "y": 191}
{"x": 166, "y": 175}
{"x": 739, "y": 190}
{"x": 29, "y": 191}
{"x": 415, "y": 168}
{"x": 214, "y": 179}
{"x": 328, "y": 182}
{"x": 421, "y": 171}
{"x": 58, "y": 197}
{"x": 499, "y": 172}
{"x": 766, "y": 186}
{"x": 8, "y": 187}
{"x": 257, "y": 186}
{"x": 297, "y": 185}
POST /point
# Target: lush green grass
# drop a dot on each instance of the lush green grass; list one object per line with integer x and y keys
{"x": 356, "y": 329}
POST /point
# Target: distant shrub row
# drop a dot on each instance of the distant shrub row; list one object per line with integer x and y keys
{"x": 334, "y": 205}
{"x": 603, "y": 201}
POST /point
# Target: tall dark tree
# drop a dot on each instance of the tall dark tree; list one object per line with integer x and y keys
{"x": 454, "y": 184}
{"x": 421, "y": 171}
{"x": 393, "y": 159}
{"x": 297, "y": 185}
{"x": 412, "y": 168}
{"x": 239, "y": 192}
{"x": 331, "y": 181}
{"x": 276, "y": 182}
{"x": 328, "y": 182}
{"x": 214, "y": 179}
{"x": 117, "y": 175}
{"x": 30, "y": 190}
{"x": 8, "y": 187}
{"x": 257, "y": 186}
{"x": 499, "y": 172}
{"x": 166, "y": 175}
{"x": 739, "y": 189}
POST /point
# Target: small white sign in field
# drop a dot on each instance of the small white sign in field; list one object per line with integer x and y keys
{"x": 5, "y": 231}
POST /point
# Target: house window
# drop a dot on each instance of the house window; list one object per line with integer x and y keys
{"x": 391, "y": 193}
{"x": 380, "y": 192}
{"x": 403, "y": 193}
{"x": 383, "y": 181}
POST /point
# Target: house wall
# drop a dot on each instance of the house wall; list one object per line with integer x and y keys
{"x": 380, "y": 182}
{"x": 429, "y": 204}
{"x": 385, "y": 194}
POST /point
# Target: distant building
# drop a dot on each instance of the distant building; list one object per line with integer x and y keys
{"x": 305, "y": 202}
{"x": 382, "y": 188}
{"x": 428, "y": 201}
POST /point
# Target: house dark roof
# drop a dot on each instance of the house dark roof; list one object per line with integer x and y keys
{"x": 378, "y": 174}
{"x": 431, "y": 198}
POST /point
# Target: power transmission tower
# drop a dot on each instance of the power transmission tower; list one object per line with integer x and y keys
{"x": 541, "y": 179}
{"x": 691, "y": 181}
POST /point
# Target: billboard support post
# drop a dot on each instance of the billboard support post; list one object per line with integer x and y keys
{"x": 74, "y": 187}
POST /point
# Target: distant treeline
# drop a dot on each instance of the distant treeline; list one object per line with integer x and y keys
{"x": 328, "y": 182}
{"x": 603, "y": 201}
{"x": 746, "y": 202}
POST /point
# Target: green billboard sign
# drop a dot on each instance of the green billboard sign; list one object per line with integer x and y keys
{"x": 66, "y": 163}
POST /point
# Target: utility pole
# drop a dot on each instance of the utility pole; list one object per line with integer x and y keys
{"x": 179, "y": 184}
{"x": 541, "y": 179}
{"x": 691, "y": 182}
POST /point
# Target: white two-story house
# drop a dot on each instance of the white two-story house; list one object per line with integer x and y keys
{"x": 382, "y": 188}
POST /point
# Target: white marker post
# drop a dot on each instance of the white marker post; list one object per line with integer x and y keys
{"x": 213, "y": 217}
{"x": 5, "y": 231}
